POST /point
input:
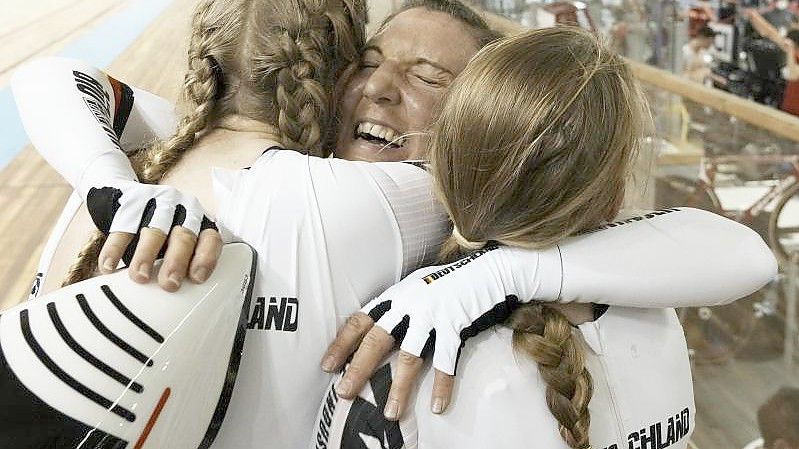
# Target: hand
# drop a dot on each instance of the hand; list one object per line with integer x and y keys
{"x": 437, "y": 309}
{"x": 144, "y": 222}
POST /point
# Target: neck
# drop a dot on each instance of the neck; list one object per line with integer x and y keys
{"x": 241, "y": 124}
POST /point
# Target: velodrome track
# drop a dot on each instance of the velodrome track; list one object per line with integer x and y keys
{"x": 141, "y": 42}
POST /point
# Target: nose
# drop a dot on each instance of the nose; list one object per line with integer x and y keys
{"x": 381, "y": 87}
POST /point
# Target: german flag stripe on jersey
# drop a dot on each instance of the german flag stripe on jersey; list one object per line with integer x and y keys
{"x": 123, "y": 104}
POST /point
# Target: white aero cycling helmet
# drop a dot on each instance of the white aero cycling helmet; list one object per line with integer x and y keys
{"x": 109, "y": 363}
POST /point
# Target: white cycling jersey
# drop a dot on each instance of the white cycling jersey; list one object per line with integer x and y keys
{"x": 643, "y": 396}
{"x": 331, "y": 234}
{"x": 328, "y": 233}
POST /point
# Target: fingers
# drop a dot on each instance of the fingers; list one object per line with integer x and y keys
{"x": 177, "y": 258}
{"x": 347, "y": 340}
{"x": 185, "y": 254}
{"x": 112, "y": 251}
{"x": 374, "y": 347}
{"x": 442, "y": 392}
{"x": 150, "y": 243}
{"x": 405, "y": 374}
{"x": 206, "y": 254}
{"x": 446, "y": 350}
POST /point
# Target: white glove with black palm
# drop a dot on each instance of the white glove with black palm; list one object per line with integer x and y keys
{"x": 439, "y": 308}
{"x": 117, "y": 202}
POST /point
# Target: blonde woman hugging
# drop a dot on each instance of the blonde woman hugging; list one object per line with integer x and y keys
{"x": 333, "y": 233}
{"x": 546, "y": 164}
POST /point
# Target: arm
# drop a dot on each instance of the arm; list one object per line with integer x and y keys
{"x": 791, "y": 70}
{"x": 767, "y": 30}
{"x": 668, "y": 258}
{"x": 75, "y": 113}
{"x": 674, "y": 257}
{"x": 762, "y": 26}
{"x": 683, "y": 258}
{"x": 679, "y": 257}
{"x": 80, "y": 119}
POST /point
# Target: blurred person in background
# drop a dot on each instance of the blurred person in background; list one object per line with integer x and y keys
{"x": 631, "y": 35}
{"x": 696, "y": 64}
{"x": 699, "y": 15}
{"x": 788, "y": 43}
{"x": 778, "y": 420}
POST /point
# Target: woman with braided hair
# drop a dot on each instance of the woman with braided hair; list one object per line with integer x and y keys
{"x": 287, "y": 55}
{"x": 330, "y": 234}
{"x": 599, "y": 377}
{"x": 259, "y": 83}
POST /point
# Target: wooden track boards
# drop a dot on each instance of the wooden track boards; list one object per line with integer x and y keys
{"x": 44, "y": 27}
{"x": 31, "y": 193}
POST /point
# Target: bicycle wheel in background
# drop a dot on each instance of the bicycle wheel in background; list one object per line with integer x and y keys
{"x": 751, "y": 328}
{"x": 675, "y": 191}
{"x": 783, "y": 227}
{"x": 719, "y": 334}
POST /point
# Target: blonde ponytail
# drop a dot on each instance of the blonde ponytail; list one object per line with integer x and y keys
{"x": 547, "y": 160}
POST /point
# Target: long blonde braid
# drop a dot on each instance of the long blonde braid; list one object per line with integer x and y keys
{"x": 86, "y": 263}
{"x": 214, "y": 29}
{"x": 270, "y": 60}
{"x": 301, "y": 99}
{"x": 546, "y": 336}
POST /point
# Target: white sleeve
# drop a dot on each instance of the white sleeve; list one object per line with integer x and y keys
{"x": 371, "y": 215}
{"x": 678, "y": 257}
{"x": 74, "y": 113}
{"x": 421, "y": 219}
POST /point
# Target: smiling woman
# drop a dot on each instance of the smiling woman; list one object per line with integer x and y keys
{"x": 394, "y": 93}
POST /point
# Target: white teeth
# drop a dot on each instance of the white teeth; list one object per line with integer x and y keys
{"x": 379, "y": 131}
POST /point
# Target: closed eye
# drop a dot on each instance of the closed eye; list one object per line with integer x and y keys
{"x": 428, "y": 81}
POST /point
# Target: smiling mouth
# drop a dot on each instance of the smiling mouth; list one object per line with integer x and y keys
{"x": 379, "y": 135}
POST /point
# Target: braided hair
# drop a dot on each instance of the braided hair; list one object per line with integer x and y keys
{"x": 546, "y": 336}
{"x": 548, "y": 160}
{"x": 273, "y": 61}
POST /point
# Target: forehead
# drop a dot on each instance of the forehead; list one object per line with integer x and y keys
{"x": 420, "y": 33}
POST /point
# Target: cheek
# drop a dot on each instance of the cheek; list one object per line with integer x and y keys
{"x": 351, "y": 94}
{"x": 422, "y": 106}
